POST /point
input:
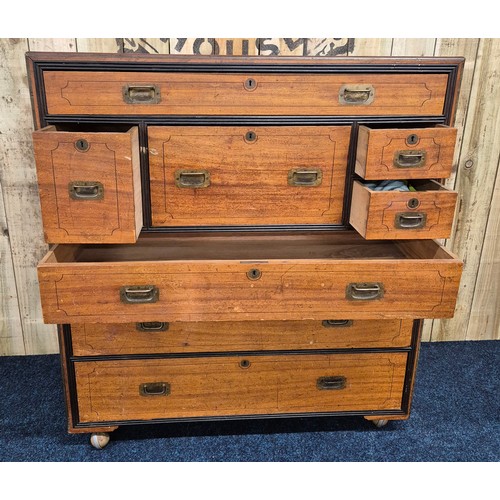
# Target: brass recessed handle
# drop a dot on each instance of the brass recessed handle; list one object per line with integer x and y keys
{"x": 353, "y": 94}
{"x": 410, "y": 158}
{"x": 331, "y": 383}
{"x": 154, "y": 389}
{"x": 141, "y": 93}
{"x": 336, "y": 323}
{"x": 152, "y": 326}
{"x": 410, "y": 220}
{"x": 305, "y": 177}
{"x": 141, "y": 294}
{"x": 195, "y": 179}
{"x": 86, "y": 190}
{"x": 364, "y": 291}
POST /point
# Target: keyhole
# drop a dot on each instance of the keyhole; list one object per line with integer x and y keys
{"x": 82, "y": 145}
{"x": 254, "y": 274}
{"x": 413, "y": 203}
{"x": 412, "y": 139}
{"x": 245, "y": 363}
{"x": 250, "y": 84}
{"x": 250, "y": 136}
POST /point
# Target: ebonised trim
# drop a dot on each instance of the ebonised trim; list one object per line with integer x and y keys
{"x": 117, "y": 423}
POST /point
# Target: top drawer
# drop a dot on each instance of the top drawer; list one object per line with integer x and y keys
{"x": 141, "y": 93}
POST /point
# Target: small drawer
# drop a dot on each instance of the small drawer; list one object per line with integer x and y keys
{"x": 89, "y": 185}
{"x": 122, "y": 390}
{"x": 426, "y": 213}
{"x": 219, "y": 176}
{"x": 243, "y": 93}
{"x": 248, "y": 277}
{"x": 156, "y": 337}
{"x": 419, "y": 153}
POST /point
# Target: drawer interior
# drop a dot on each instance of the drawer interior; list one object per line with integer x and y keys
{"x": 248, "y": 248}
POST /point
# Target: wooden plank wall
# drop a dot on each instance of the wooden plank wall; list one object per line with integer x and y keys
{"x": 475, "y": 236}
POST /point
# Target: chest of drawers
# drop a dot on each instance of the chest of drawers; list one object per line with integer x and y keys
{"x": 227, "y": 240}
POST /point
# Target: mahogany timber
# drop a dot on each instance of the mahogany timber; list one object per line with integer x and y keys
{"x": 303, "y": 284}
{"x": 249, "y": 180}
{"x": 112, "y": 159}
{"x": 193, "y": 93}
{"x": 98, "y": 339}
{"x": 376, "y": 149}
{"x": 109, "y": 391}
{"x": 374, "y": 213}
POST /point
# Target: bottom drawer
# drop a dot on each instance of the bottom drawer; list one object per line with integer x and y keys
{"x": 113, "y": 391}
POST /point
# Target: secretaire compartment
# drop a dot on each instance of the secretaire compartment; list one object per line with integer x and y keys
{"x": 264, "y": 175}
{"x": 89, "y": 184}
{"x": 117, "y": 390}
{"x": 426, "y": 211}
{"x": 243, "y": 93}
{"x": 248, "y": 277}
{"x": 157, "y": 337}
{"x": 405, "y": 153}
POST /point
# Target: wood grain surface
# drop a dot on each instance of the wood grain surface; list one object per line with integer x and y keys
{"x": 216, "y": 386}
{"x": 110, "y": 159}
{"x": 376, "y": 150}
{"x": 220, "y": 289}
{"x": 374, "y": 214}
{"x": 97, "y": 339}
{"x": 98, "y": 92}
{"x": 248, "y": 179}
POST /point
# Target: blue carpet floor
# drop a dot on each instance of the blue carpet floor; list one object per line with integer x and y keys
{"x": 455, "y": 418}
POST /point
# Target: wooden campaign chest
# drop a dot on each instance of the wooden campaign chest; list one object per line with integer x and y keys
{"x": 242, "y": 237}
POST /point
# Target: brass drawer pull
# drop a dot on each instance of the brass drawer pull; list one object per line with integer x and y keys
{"x": 331, "y": 383}
{"x": 141, "y": 94}
{"x": 305, "y": 177}
{"x": 336, "y": 323}
{"x": 144, "y": 294}
{"x": 195, "y": 179}
{"x": 86, "y": 190}
{"x": 364, "y": 291}
{"x": 356, "y": 94}
{"x": 410, "y": 158}
{"x": 154, "y": 389}
{"x": 410, "y": 220}
{"x": 152, "y": 326}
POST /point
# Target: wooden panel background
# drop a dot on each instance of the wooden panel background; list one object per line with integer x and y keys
{"x": 475, "y": 236}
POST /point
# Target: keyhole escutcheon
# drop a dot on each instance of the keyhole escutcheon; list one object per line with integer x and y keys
{"x": 250, "y": 84}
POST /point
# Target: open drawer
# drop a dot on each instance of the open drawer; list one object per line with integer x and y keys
{"x": 248, "y": 277}
{"x": 426, "y": 213}
{"x": 405, "y": 153}
{"x": 89, "y": 184}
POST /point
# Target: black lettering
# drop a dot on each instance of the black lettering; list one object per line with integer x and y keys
{"x": 264, "y": 47}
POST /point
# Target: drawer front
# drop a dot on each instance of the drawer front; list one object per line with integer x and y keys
{"x": 135, "y": 93}
{"x": 405, "y": 153}
{"x": 217, "y": 386}
{"x": 236, "y": 290}
{"x": 424, "y": 214}
{"x": 247, "y": 176}
{"x": 89, "y": 184}
{"x": 91, "y": 339}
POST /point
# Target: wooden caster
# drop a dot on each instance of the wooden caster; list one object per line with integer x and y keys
{"x": 379, "y": 422}
{"x": 99, "y": 440}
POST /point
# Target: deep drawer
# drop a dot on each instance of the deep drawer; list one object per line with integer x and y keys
{"x": 255, "y": 385}
{"x": 421, "y": 153}
{"x": 203, "y": 176}
{"x": 93, "y": 339}
{"x": 89, "y": 184}
{"x": 426, "y": 213}
{"x": 248, "y": 278}
{"x": 136, "y": 93}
